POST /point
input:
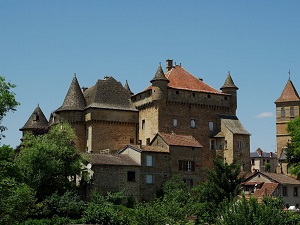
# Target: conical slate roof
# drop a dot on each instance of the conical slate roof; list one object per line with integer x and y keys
{"x": 108, "y": 94}
{"x": 74, "y": 99}
{"x": 229, "y": 83}
{"x": 126, "y": 86}
{"x": 289, "y": 93}
{"x": 159, "y": 75}
{"x": 37, "y": 120}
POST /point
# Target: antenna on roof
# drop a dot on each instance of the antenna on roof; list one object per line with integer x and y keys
{"x": 74, "y": 74}
{"x": 228, "y": 72}
{"x": 159, "y": 63}
{"x": 289, "y": 74}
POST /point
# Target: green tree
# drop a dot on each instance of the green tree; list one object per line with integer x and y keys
{"x": 268, "y": 167}
{"x": 16, "y": 198}
{"x": 49, "y": 161}
{"x": 222, "y": 182}
{"x": 293, "y": 150}
{"x": 243, "y": 211}
{"x": 7, "y": 101}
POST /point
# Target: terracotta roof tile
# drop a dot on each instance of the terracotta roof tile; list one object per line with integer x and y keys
{"x": 180, "y": 140}
{"x": 266, "y": 190}
{"x": 281, "y": 178}
{"x": 181, "y": 79}
{"x": 289, "y": 93}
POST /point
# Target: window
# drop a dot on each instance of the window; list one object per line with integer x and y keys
{"x": 292, "y": 113}
{"x": 177, "y": 92}
{"x": 35, "y": 117}
{"x": 208, "y": 95}
{"x": 130, "y": 176}
{"x": 193, "y": 123}
{"x": 186, "y": 165}
{"x": 131, "y": 140}
{"x": 147, "y": 141}
{"x": 211, "y": 126}
{"x": 149, "y": 179}
{"x": 175, "y": 122}
{"x": 282, "y": 112}
{"x": 295, "y": 191}
{"x": 212, "y": 145}
{"x": 143, "y": 124}
{"x": 252, "y": 162}
{"x": 149, "y": 160}
{"x": 225, "y": 144}
{"x": 188, "y": 182}
{"x": 194, "y": 94}
{"x": 284, "y": 191}
{"x": 240, "y": 145}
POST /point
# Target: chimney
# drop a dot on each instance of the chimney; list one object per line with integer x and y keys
{"x": 271, "y": 154}
{"x": 259, "y": 152}
{"x": 169, "y": 65}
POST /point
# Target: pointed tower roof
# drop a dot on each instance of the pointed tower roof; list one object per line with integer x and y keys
{"x": 37, "y": 120}
{"x": 108, "y": 94}
{"x": 289, "y": 93}
{"x": 126, "y": 86}
{"x": 159, "y": 75}
{"x": 74, "y": 99}
{"x": 229, "y": 82}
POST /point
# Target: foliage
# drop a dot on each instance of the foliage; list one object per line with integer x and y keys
{"x": 222, "y": 182}
{"x": 67, "y": 205}
{"x": 49, "y": 161}
{"x": 267, "y": 167}
{"x": 16, "y": 197}
{"x": 293, "y": 150}
{"x": 7, "y": 101}
{"x": 243, "y": 211}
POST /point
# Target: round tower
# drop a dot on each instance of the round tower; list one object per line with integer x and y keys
{"x": 230, "y": 88}
{"x": 159, "y": 85}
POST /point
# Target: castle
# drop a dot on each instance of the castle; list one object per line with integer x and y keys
{"x": 134, "y": 142}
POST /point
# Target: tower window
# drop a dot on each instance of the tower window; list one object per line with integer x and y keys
{"x": 193, "y": 123}
{"x": 175, "y": 122}
{"x": 208, "y": 95}
{"x": 211, "y": 126}
{"x": 212, "y": 145}
{"x": 240, "y": 145}
{"x": 130, "y": 176}
{"x": 194, "y": 94}
{"x": 282, "y": 112}
{"x": 292, "y": 112}
{"x": 143, "y": 124}
{"x": 177, "y": 92}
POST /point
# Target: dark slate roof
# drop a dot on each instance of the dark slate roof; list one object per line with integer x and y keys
{"x": 144, "y": 148}
{"x": 173, "y": 139}
{"x": 126, "y": 86}
{"x": 107, "y": 159}
{"x": 289, "y": 93}
{"x": 283, "y": 155}
{"x": 233, "y": 124}
{"x": 159, "y": 75}
{"x": 264, "y": 155}
{"x": 108, "y": 94}
{"x": 229, "y": 83}
{"x": 275, "y": 177}
{"x": 37, "y": 120}
{"x": 74, "y": 99}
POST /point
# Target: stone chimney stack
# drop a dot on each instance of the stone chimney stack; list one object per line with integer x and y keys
{"x": 271, "y": 154}
{"x": 169, "y": 65}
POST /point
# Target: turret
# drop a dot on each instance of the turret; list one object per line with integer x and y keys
{"x": 230, "y": 88}
{"x": 159, "y": 85}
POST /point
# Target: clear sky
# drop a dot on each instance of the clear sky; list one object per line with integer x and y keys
{"x": 43, "y": 43}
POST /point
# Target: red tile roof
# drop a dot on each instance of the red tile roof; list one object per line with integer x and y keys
{"x": 181, "y": 79}
{"x": 289, "y": 93}
{"x": 266, "y": 190}
{"x": 180, "y": 140}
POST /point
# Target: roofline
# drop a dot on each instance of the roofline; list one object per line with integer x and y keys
{"x": 129, "y": 146}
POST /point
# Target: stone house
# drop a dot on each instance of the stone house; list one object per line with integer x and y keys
{"x": 179, "y": 120}
{"x": 259, "y": 158}
{"x": 262, "y": 184}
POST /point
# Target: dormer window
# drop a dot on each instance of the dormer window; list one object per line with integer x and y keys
{"x": 35, "y": 117}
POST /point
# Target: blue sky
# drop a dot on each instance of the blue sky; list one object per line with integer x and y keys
{"x": 43, "y": 43}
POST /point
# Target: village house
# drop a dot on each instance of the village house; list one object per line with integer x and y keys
{"x": 135, "y": 142}
{"x": 259, "y": 158}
